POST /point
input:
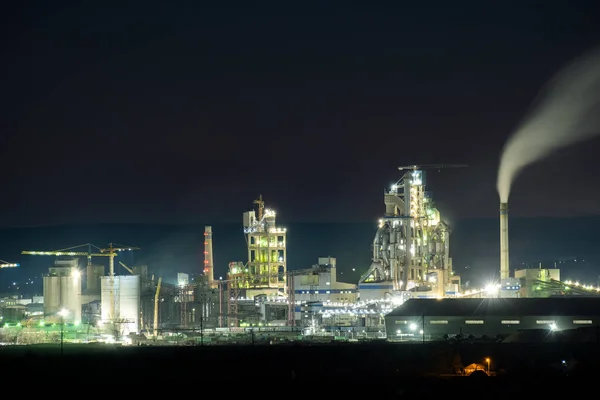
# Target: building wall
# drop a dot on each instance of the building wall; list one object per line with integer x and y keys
{"x": 375, "y": 291}
{"x": 437, "y": 327}
{"x": 322, "y": 285}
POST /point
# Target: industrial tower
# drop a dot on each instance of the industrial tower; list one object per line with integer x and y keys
{"x": 411, "y": 246}
{"x": 266, "y": 267}
{"x": 208, "y": 257}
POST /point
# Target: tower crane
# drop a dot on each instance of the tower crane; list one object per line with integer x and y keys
{"x": 416, "y": 167}
{"x": 111, "y": 251}
{"x": 68, "y": 252}
{"x": 156, "y": 299}
{"x": 6, "y": 264}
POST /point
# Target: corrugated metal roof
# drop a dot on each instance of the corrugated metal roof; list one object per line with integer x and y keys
{"x": 582, "y": 306}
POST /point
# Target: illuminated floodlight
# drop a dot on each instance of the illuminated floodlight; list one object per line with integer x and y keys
{"x": 553, "y": 326}
{"x": 412, "y": 326}
{"x": 492, "y": 289}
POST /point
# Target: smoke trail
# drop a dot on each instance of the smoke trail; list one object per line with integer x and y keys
{"x": 566, "y": 113}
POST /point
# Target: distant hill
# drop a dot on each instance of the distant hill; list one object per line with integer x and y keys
{"x": 169, "y": 249}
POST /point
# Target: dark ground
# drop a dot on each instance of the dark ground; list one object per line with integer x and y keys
{"x": 313, "y": 371}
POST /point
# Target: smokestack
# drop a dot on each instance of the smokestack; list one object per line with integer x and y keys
{"x": 208, "y": 256}
{"x": 504, "y": 267}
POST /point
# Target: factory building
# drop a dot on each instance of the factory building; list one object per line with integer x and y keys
{"x": 436, "y": 319}
{"x": 124, "y": 293}
{"x": 534, "y": 281}
{"x": 62, "y": 290}
{"x": 11, "y": 312}
{"x": 208, "y": 308}
{"x": 356, "y": 318}
{"x": 320, "y": 284}
{"x": 411, "y": 248}
{"x": 323, "y": 303}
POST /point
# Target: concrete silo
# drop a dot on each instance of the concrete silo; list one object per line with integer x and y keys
{"x": 62, "y": 290}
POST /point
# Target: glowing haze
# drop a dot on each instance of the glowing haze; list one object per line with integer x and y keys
{"x": 566, "y": 113}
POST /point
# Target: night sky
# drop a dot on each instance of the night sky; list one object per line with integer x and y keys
{"x": 164, "y": 113}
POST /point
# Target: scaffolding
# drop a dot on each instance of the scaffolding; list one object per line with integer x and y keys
{"x": 185, "y": 296}
{"x": 233, "y": 295}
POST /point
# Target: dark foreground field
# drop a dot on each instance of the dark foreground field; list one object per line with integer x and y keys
{"x": 317, "y": 371}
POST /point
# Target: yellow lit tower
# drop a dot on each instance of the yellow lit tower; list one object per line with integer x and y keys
{"x": 266, "y": 242}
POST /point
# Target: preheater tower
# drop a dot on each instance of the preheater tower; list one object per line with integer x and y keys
{"x": 504, "y": 263}
{"x": 208, "y": 256}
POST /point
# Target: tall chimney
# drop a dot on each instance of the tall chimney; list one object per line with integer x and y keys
{"x": 208, "y": 256}
{"x": 504, "y": 264}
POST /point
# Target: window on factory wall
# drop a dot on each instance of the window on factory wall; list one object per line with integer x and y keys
{"x": 511, "y": 322}
{"x": 543, "y": 321}
{"x": 474, "y": 322}
{"x": 397, "y": 322}
{"x": 438, "y": 321}
{"x": 582, "y": 321}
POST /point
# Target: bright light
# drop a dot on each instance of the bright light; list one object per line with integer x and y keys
{"x": 412, "y": 326}
{"x": 75, "y": 273}
{"x": 397, "y": 300}
{"x": 553, "y": 327}
{"x": 63, "y": 313}
{"x": 492, "y": 288}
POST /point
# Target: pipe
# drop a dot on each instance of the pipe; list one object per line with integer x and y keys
{"x": 504, "y": 262}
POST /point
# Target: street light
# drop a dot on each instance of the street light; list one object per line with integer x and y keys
{"x": 63, "y": 313}
{"x": 487, "y": 360}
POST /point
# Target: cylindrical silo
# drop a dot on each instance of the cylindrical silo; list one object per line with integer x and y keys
{"x": 93, "y": 274}
{"x": 63, "y": 292}
{"x": 129, "y": 301}
{"x": 51, "y": 295}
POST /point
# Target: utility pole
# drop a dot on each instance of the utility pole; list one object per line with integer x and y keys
{"x": 423, "y": 328}
{"x": 62, "y": 314}
{"x": 62, "y": 334}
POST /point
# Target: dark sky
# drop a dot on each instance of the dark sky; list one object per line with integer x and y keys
{"x": 149, "y": 113}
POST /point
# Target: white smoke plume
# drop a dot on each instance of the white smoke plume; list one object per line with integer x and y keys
{"x": 567, "y": 112}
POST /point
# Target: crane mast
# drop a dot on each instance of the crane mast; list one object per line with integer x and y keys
{"x": 156, "y": 299}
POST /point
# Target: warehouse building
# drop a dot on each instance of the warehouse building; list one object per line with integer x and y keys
{"x": 436, "y": 319}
